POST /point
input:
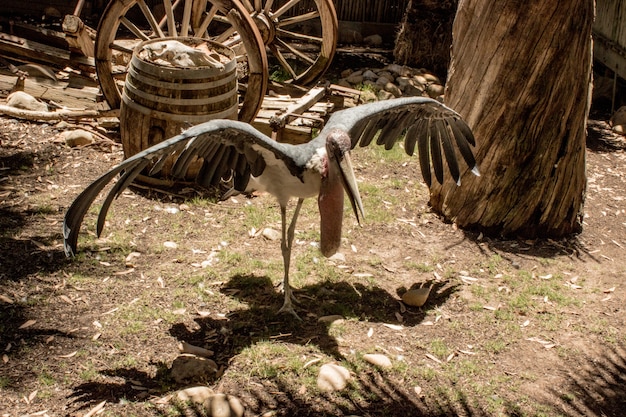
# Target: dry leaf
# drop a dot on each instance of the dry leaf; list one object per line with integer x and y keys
{"x": 431, "y": 357}
{"x": 27, "y": 324}
{"x": 370, "y": 332}
{"x": 5, "y": 358}
{"x": 96, "y": 336}
{"x": 418, "y": 390}
{"x": 612, "y": 289}
{"x": 66, "y": 299}
{"x": 32, "y": 396}
{"x": 6, "y": 299}
{"x": 393, "y": 326}
{"x": 526, "y": 323}
{"x": 69, "y": 355}
{"x": 548, "y": 276}
{"x": 96, "y": 409}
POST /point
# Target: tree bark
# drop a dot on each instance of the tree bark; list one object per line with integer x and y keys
{"x": 520, "y": 76}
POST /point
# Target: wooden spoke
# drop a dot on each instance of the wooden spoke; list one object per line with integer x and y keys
{"x": 184, "y": 30}
{"x": 257, "y": 6}
{"x": 169, "y": 14}
{"x": 133, "y": 28}
{"x": 225, "y": 35}
{"x": 268, "y": 6}
{"x": 278, "y": 13}
{"x": 248, "y": 5}
{"x": 208, "y": 18}
{"x": 283, "y": 61}
{"x": 296, "y": 52}
{"x": 299, "y": 36}
{"x": 150, "y": 18}
{"x": 298, "y": 19}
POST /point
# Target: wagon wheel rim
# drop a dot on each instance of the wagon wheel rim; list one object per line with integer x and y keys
{"x": 284, "y": 24}
{"x": 126, "y": 23}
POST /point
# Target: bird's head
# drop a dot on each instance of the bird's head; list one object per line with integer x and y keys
{"x": 338, "y": 145}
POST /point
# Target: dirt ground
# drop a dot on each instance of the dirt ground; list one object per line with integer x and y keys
{"x": 511, "y": 327}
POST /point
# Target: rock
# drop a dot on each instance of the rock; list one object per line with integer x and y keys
{"x": 432, "y": 78}
{"x": 355, "y": 78}
{"x": 332, "y": 377}
{"x": 330, "y": 319}
{"x": 346, "y": 73}
{"x": 383, "y": 81}
{"x": 373, "y": 40}
{"x": 195, "y": 394}
{"x": 77, "y": 137}
{"x": 214, "y": 405}
{"x": 271, "y": 234}
{"x": 379, "y": 360}
{"x": 618, "y": 120}
{"x": 384, "y": 95}
{"x": 338, "y": 257}
{"x": 416, "y": 297}
{"x": 434, "y": 90}
{"x": 189, "y": 368}
{"x": 395, "y": 69}
{"x": 403, "y": 82}
{"x": 370, "y": 75}
{"x": 393, "y": 89}
{"x": 413, "y": 90}
{"x": 344, "y": 83}
{"x": 24, "y": 101}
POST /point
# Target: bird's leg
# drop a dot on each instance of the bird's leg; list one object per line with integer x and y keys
{"x": 285, "y": 245}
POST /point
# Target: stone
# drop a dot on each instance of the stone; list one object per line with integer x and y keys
{"x": 271, "y": 234}
{"x": 384, "y": 95}
{"x": 413, "y": 90}
{"x": 432, "y": 78}
{"x": 373, "y": 40}
{"x": 346, "y": 73}
{"x": 618, "y": 120}
{"x": 383, "y": 81}
{"x": 332, "y": 377}
{"x": 393, "y": 89}
{"x": 331, "y": 319}
{"x": 395, "y": 68}
{"x": 370, "y": 75}
{"x": 24, "y": 101}
{"x": 214, "y": 405}
{"x": 77, "y": 137}
{"x": 190, "y": 368}
{"x": 378, "y": 360}
{"x": 355, "y": 78}
{"x": 434, "y": 90}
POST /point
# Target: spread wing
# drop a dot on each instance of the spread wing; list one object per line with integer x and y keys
{"x": 228, "y": 148}
{"x": 427, "y": 123}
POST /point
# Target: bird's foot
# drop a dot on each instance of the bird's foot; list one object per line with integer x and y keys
{"x": 287, "y": 307}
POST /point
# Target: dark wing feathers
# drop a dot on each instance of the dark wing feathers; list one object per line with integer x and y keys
{"x": 428, "y": 124}
{"x": 227, "y": 147}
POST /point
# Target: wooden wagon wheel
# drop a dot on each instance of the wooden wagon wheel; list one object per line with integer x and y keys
{"x": 126, "y": 23}
{"x": 301, "y": 35}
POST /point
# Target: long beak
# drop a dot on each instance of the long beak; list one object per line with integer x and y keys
{"x": 349, "y": 184}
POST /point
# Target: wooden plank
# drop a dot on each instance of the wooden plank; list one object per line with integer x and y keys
{"x": 24, "y": 50}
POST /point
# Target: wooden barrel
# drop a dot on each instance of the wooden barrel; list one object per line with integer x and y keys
{"x": 160, "y": 101}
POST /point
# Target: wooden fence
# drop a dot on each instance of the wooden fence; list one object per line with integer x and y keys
{"x": 609, "y": 33}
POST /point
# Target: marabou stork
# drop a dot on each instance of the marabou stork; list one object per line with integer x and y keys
{"x": 321, "y": 167}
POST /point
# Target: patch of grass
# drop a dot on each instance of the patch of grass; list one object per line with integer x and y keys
{"x": 439, "y": 348}
{"x": 46, "y": 378}
{"x": 5, "y": 382}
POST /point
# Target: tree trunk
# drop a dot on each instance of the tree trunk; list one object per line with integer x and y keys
{"x": 520, "y": 76}
{"x": 425, "y": 35}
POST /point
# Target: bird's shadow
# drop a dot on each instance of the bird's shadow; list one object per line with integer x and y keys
{"x": 260, "y": 320}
